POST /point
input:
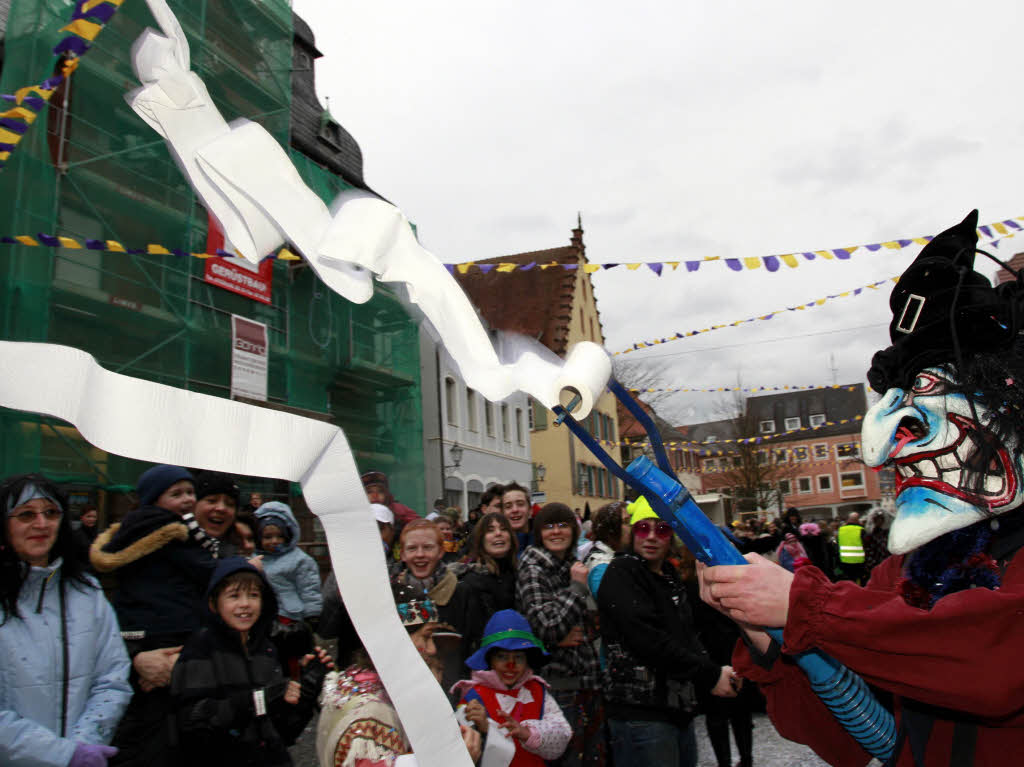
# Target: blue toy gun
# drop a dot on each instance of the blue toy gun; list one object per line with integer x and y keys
{"x": 843, "y": 692}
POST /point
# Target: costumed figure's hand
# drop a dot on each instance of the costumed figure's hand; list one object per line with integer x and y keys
{"x": 513, "y": 728}
{"x": 756, "y": 594}
{"x": 579, "y": 572}
{"x": 292, "y": 692}
{"x": 473, "y": 741}
{"x": 154, "y": 667}
{"x": 91, "y": 755}
{"x": 574, "y": 638}
{"x": 477, "y": 714}
{"x": 728, "y": 683}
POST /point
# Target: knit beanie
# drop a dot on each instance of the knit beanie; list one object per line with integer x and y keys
{"x": 155, "y": 480}
{"x": 215, "y": 483}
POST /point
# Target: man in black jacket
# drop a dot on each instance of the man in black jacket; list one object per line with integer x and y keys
{"x": 655, "y": 661}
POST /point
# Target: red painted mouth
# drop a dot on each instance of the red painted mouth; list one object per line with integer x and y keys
{"x": 950, "y": 470}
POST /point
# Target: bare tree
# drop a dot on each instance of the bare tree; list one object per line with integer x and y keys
{"x": 750, "y": 467}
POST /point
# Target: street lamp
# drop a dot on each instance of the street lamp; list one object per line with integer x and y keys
{"x": 455, "y": 453}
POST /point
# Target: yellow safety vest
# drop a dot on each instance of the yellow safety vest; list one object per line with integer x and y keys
{"x": 851, "y": 550}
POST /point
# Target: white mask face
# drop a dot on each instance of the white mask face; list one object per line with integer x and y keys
{"x": 929, "y": 435}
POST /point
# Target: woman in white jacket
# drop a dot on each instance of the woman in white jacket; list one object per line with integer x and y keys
{"x": 63, "y": 665}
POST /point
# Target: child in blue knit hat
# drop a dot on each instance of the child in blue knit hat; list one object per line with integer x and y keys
{"x": 506, "y": 701}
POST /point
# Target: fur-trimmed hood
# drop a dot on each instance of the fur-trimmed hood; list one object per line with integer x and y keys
{"x": 141, "y": 533}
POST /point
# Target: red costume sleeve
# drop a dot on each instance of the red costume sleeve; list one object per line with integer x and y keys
{"x": 964, "y": 653}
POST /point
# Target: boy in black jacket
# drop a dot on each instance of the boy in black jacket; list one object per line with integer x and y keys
{"x": 232, "y": 703}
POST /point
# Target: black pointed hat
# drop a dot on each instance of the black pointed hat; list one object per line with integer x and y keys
{"x": 941, "y": 304}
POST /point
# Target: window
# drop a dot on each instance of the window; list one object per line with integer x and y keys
{"x": 820, "y": 451}
{"x": 538, "y": 416}
{"x": 800, "y": 453}
{"x": 803, "y": 484}
{"x": 504, "y": 423}
{"x": 851, "y": 480}
{"x": 824, "y": 483}
{"x": 766, "y": 427}
{"x": 781, "y": 455}
{"x": 489, "y": 418}
{"x": 471, "y": 414}
{"x": 519, "y": 426}
{"x": 449, "y": 401}
{"x": 785, "y": 487}
{"x": 710, "y": 438}
{"x": 737, "y": 461}
{"x": 762, "y": 457}
{"x": 816, "y": 420}
{"x": 792, "y": 423}
{"x": 847, "y": 450}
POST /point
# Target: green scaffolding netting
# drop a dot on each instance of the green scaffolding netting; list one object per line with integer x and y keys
{"x": 97, "y": 171}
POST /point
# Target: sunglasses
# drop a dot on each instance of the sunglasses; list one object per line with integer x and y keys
{"x": 645, "y": 527}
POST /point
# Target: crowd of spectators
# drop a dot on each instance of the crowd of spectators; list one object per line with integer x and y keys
{"x": 189, "y": 630}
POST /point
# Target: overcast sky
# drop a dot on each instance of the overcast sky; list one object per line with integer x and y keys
{"x": 686, "y": 130}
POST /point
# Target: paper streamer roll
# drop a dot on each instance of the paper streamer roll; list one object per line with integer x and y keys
{"x": 587, "y": 370}
{"x": 152, "y": 422}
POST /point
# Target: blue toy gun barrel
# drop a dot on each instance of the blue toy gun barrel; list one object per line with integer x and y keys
{"x": 843, "y": 692}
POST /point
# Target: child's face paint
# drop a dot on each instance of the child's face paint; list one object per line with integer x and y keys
{"x": 509, "y": 665}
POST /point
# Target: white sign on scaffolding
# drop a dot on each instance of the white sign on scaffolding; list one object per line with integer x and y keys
{"x": 249, "y": 359}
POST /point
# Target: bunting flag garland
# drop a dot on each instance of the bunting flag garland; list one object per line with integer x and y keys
{"x": 36, "y": 102}
{"x": 749, "y": 389}
{"x": 113, "y": 246}
{"x": 799, "y": 307}
{"x": 88, "y": 17}
{"x": 760, "y": 438}
{"x": 1005, "y": 228}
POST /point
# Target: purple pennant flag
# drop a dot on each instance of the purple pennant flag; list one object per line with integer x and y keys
{"x": 841, "y": 253}
{"x": 9, "y": 240}
{"x": 528, "y": 266}
{"x": 656, "y": 268}
{"x": 1012, "y": 224}
{"x": 904, "y": 243}
{"x": 48, "y": 239}
{"x": 14, "y": 125}
{"x": 6, "y": 147}
{"x": 570, "y": 267}
{"x": 609, "y": 266}
{"x": 101, "y": 14}
{"x": 223, "y": 253}
{"x": 140, "y": 251}
{"x": 874, "y": 246}
{"x": 71, "y": 44}
{"x": 769, "y": 316}
{"x": 450, "y": 268}
{"x": 95, "y": 245}
{"x": 692, "y": 266}
{"x": 771, "y": 263}
{"x": 51, "y": 82}
{"x": 485, "y": 268}
{"x": 35, "y": 103}
{"x": 985, "y": 231}
{"x": 734, "y": 264}
{"x": 809, "y": 256}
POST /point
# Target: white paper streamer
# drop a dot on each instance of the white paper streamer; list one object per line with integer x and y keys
{"x": 248, "y": 183}
{"x": 162, "y": 424}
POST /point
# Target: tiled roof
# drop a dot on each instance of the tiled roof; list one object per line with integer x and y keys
{"x": 534, "y": 302}
{"x": 839, "y": 404}
{"x": 313, "y": 132}
{"x": 1016, "y": 263}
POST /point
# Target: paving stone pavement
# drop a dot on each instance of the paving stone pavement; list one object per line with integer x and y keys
{"x": 770, "y": 749}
